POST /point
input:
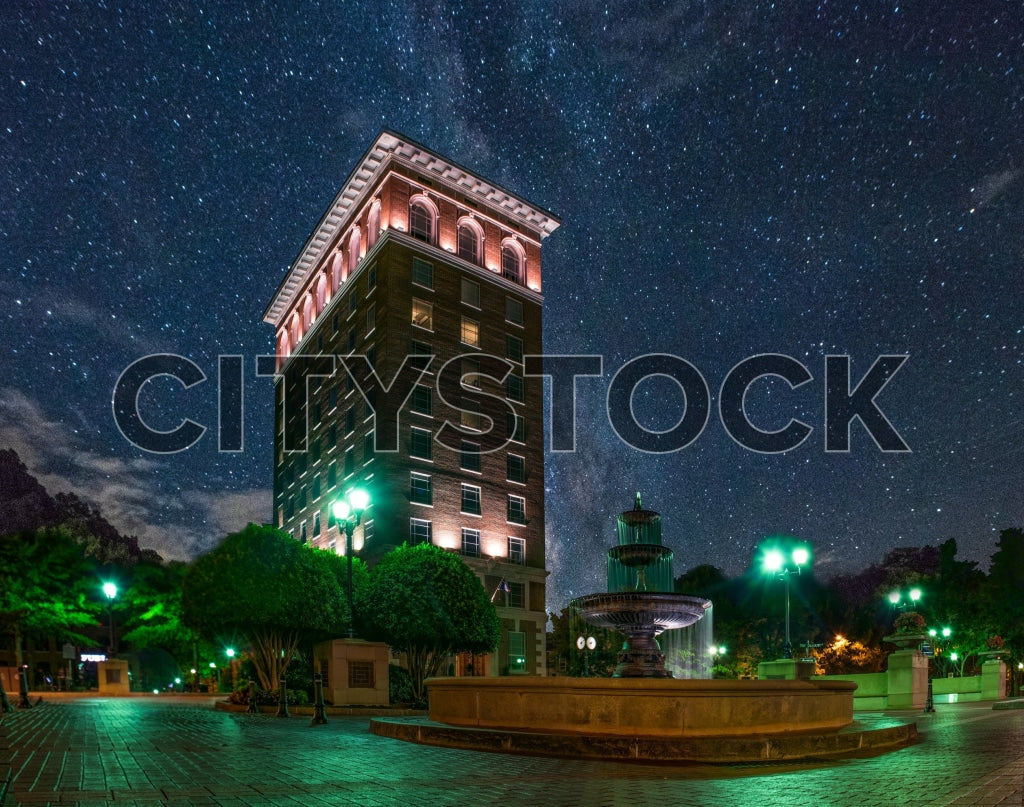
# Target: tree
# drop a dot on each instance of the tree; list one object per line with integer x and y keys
{"x": 44, "y": 582}
{"x": 428, "y": 603}
{"x": 272, "y": 591}
{"x": 155, "y": 618}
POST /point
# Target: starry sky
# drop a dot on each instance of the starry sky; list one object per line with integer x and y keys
{"x": 733, "y": 178}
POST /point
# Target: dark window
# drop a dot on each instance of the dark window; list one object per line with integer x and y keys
{"x": 515, "y": 428}
{"x": 350, "y": 420}
{"x": 421, "y": 490}
{"x": 316, "y": 523}
{"x": 470, "y": 292}
{"x": 422, "y": 273}
{"x": 516, "y": 550}
{"x": 511, "y": 265}
{"x": 516, "y": 509}
{"x": 517, "y": 595}
{"x": 371, "y": 278}
{"x": 514, "y": 348}
{"x": 471, "y": 543}
{"x": 419, "y": 531}
{"x": 516, "y": 468}
{"x": 420, "y": 444}
{"x": 350, "y": 461}
{"x": 422, "y": 348}
{"x": 514, "y": 388}
{"x": 420, "y": 401}
{"x": 368, "y": 447}
{"x": 420, "y": 222}
{"x": 332, "y": 475}
{"x": 353, "y": 300}
{"x": 371, "y": 317}
{"x": 513, "y": 310}
{"x": 468, "y": 241}
{"x": 469, "y": 456}
{"x": 351, "y": 339}
{"x": 471, "y": 499}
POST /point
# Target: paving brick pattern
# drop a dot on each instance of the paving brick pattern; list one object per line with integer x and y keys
{"x": 165, "y": 750}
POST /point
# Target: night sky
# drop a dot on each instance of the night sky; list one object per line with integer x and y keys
{"x": 733, "y": 179}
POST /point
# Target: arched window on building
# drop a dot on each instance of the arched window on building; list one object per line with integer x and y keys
{"x": 372, "y": 225}
{"x": 307, "y": 313}
{"x": 321, "y": 293}
{"x": 295, "y": 330}
{"x": 336, "y": 262}
{"x": 353, "y": 251}
{"x": 513, "y": 262}
{"x": 470, "y": 240}
{"x": 423, "y": 219}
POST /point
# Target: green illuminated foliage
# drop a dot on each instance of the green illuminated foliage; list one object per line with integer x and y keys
{"x": 428, "y": 603}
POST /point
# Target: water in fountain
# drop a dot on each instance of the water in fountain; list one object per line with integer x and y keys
{"x": 640, "y": 602}
{"x": 688, "y": 650}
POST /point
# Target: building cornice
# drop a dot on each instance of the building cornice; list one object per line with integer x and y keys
{"x": 391, "y": 147}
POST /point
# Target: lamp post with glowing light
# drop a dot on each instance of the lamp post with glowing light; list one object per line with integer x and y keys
{"x": 898, "y": 604}
{"x": 347, "y": 513}
{"x": 110, "y": 590}
{"x": 775, "y": 562}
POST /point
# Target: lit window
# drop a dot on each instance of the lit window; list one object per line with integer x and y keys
{"x": 516, "y": 468}
{"x": 471, "y": 373}
{"x": 470, "y": 332}
{"x": 422, "y": 314}
{"x": 471, "y": 543}
{"x": 516, "y": 550}
{"x": 471, "y": 499}
{"x": 419, "y": 531}
{"x": 516, "y": 509}
{"x": 470, "y": 415}
{"x": 421, "y": 490}
{"x": 470, "y": 292}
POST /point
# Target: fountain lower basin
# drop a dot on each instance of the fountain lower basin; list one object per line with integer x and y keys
{"x": 651, "y": 707}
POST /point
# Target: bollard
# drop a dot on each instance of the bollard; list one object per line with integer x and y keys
{"x": 929, "y": 703}
{"x": 319, "y": 718}
{"x": 23, "y": 701}
{"x": 252, "y": 708}
{"x": 282, "y": 705}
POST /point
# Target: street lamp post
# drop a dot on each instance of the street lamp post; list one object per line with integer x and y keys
{"x": 775, "y": 562}
{"x": 234, "y": 668}
{"x": 347, "y": 513}
{"x": 110, "y": 590}
{"x": 586, "y": 646}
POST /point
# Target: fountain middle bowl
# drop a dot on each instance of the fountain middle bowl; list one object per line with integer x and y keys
{"x": 641, "y": 612}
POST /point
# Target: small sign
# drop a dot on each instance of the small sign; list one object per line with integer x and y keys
{"x": 69, "y": 652}
{"x": 926, "y": 649}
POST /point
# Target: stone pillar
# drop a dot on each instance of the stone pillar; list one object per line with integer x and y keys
{"x": 993, "y": 680}
{"x": 907, "y": 680}
{"x": 113, "y": 677}
{"x": 355, "y": 672}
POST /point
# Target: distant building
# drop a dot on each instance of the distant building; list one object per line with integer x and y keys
{"x": 418, "y": 256}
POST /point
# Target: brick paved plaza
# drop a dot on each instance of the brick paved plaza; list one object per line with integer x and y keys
{"x": 178, "y": 750}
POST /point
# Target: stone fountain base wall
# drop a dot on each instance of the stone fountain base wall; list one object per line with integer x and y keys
{"x": 642, "y": 707}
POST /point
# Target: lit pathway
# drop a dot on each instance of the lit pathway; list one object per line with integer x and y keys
{"x": 164, "y": 750}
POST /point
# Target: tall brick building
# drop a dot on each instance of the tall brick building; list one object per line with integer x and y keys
{"x": 418, "y": 256}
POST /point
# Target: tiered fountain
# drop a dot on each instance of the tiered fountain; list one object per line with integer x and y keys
{"x": 640, "y": 603}
{"x": 642, "y": 712}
